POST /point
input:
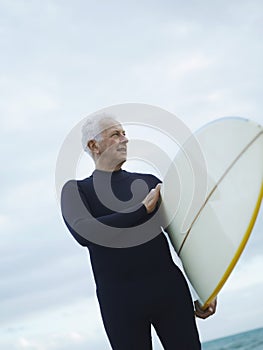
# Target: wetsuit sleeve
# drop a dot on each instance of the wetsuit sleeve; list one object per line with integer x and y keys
{"x": 78, "y": 218}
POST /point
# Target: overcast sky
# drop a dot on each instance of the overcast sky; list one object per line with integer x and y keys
{"x": 62, "y": 60}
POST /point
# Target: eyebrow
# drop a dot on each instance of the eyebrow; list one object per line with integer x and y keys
{"x": 117, "y": 130}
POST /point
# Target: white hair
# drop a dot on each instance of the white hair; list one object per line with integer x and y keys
{"x": 92, "y": 128}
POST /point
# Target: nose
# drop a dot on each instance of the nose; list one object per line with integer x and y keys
{"x": 124, "y": 139}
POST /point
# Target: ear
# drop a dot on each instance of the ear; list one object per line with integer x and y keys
{"x": 93, "y": 146}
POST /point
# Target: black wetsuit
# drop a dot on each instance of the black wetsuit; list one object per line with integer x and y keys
{"x": 136, "y": 286}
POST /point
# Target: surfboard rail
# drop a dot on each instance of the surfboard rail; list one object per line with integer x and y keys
{"x": 233, "y": 150}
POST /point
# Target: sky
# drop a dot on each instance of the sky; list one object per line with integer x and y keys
{"x": 61, "y": 61}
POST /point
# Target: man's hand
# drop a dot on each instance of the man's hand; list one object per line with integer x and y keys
{"x": 151, "y": 199}
{"x": 210, "y": 310}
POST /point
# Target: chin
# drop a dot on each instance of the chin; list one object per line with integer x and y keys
{"x": 121, "y": 162}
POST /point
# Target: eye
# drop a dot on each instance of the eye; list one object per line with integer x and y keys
{"x": 118, "y": 133}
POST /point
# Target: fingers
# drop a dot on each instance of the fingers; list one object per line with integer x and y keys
{"x": 158, "y": 188}
{"x": 156, "y": 192}
{"x": 209, "y": 311}
{"x": 151, "y": 199}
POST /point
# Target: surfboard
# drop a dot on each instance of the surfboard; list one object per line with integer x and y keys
{"x": 210, "y": 228}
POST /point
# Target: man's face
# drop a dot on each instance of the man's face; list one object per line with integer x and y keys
{"x": 113, "y": 144}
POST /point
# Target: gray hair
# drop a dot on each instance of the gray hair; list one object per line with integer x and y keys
{"x": 92, "y": 128}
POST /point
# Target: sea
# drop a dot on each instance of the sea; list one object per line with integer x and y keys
{"x": 243, "y": 341}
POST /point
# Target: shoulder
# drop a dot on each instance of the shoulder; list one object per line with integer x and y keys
{"x": 84, "y": 183}
{"x": 77, "y": 184}
{"x": 68, "y": 185}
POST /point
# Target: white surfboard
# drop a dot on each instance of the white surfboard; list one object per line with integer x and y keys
{"x": 210, "y": 234}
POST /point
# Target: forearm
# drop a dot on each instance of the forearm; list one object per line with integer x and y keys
{"x": 78, "y": 218}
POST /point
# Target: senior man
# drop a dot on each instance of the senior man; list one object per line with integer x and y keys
{"x": 140, "y": 285}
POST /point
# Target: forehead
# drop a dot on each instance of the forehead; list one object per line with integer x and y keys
{"x": 108, "y": 125}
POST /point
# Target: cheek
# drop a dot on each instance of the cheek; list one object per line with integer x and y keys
{"x": 109, "y": 146}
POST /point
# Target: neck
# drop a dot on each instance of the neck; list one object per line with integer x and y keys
{"x": 108, "y": 168}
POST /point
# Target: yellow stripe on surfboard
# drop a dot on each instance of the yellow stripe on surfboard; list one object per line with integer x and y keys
{"x": 238, "y": 252}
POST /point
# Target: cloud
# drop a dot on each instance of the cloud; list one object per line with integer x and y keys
{"x": 5, "y": 222}
{"x": 247, "y": 276}
{"x": 76, "y": 324}
{"x": 198, "y": 60}
{"x": 40, "y": 272}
